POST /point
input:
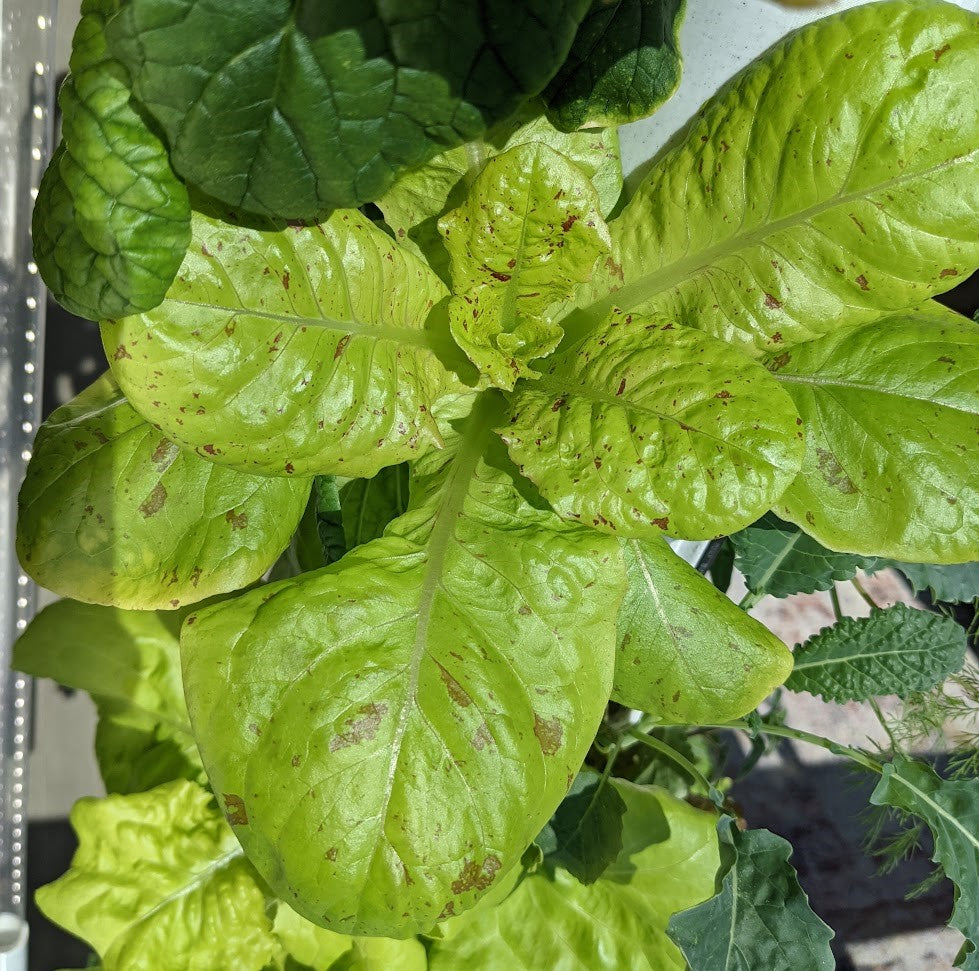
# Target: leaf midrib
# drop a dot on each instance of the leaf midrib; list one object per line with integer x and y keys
{"x": 455, "y": 492}
{"x": 666, "y": 278}
{"x": 357, "y": 328}
{"x": 940, "y": 810}
{"x": 832, "y": 381}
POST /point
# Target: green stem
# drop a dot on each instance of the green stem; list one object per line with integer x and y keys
{"x": 797, "y": 734}
{"x": 835, "y": 600}
{"x": 750, "y": 599}
{"x": 858, "y": 586}
{"x": 674, "y": 756}
{"x": 883, "y": 722}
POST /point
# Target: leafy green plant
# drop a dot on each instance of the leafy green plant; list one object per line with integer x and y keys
{"x": 444, "y": 703}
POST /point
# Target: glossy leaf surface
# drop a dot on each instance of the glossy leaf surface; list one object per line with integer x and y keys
{"x": 891, "y": 412}
{"x": 761, "y": 917}
{"x": 528, "y": 235}
{"x": 159, "y": 883}
{"x": 792, "y": 208}
{"x": 624, "y": 63}
{"x": 288, "y": 352}
{"x": 112, "y": 512}
{"x": 289, "y": 109}
{"x": 667, "y": 863}
{"x": 655, "y": 429}
{"x": 111, "y": 220}
{"x": 687, "y": 654}
{"x": 397, "y": 728}
{"x": 129, "y": 662}
{"x": 892, "y": 652}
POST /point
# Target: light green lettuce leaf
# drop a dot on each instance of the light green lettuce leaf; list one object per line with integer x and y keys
{"x": 891, "y": 411}
{"x": 950, "y": 809}
{"x": 383, "y": 954}
{"x": 667, "y": 863}
{"x": 653, "y": 428}
{"x": 792, "y": 207}
{"x": 687, "y": 654}
{"x": 303, "y": 945}
{"x": 113, "y": 512}
{"x": 293, "y": 109}
{"x": 415, "y": 712}
{"x": 528, "y": 235}
{"x": 624, "y": 63}
{"x": 412, "y": 206}
{"x": 129, "y": 662}
{"x": 159, "y": 883}
{"x": 289, "y": 352}
{"x": 111, "y": 221}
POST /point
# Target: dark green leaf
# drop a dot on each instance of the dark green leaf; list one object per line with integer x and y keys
{"x": 329, "y": 518}
{"x": 624, "y": 63}
{"x": 721, "y": 569}
{"x": 290, "y": 109}
{"x": 956, "y": 583}
{"x": 370, "y": 504}
{"x": 112, "y": 221}
{"x": 761, "y": 917}
{"x": 951, "y": 812}
{"x": 585, "y": 834}
{"x": 892, "y": 652}
{"x": 778, "y": 559}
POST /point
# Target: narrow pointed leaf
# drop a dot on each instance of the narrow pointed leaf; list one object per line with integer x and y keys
{"x": 416, "y": 711}
{"x": 891, "y": 412}
{"x": 779, "y": 559}
{"x": 950, "y": 809}
{"x": 892, "y": 652}
{"x": 618, "y": 923}
{"x": 129, "y": 662}
{"x": 291, "y": 109}
{"x": 792, "y": 208}
{"x": 670, "y": 431}
{"x": 112, "y": 512}
{"x": 528, "y": 235}
{"x": 624, "y": 63}
{"x": 687, "y": 654}
{"x": 111, "y": 221}
{"x": 293, "y": 352}
{"x": 159, "y": 881}
{"x": 761, "y": 917}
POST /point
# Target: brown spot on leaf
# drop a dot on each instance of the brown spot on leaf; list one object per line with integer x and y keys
{"x": 862, "y": 282}
{"x": 858, "y": 224}
{"x": 779, "y": 362}
{"x": 456, "y": 691}
{"x": 621, "y": 388}
{"x": 559, "y": 404}
{"x": 285, "y": 280}
{"x": 447, "y": 911}
{"x": 121, "y": 352}
{"x": 946, "y": 360}
{"x": 154, "y": 502}
{"x": 723, "y": 394}
{"x": 569, "y": 222}
{"x": 234, "y": 810}
{"x": 773, "y": 303}
{"x": 549, "y": 734}
{"x": 238, "y": 520}
{"x": 361, "y": 729}
{"x": 482, "y": 738}
{"x": 476, "y": 877}
{"x": 163, "y": 451}
{"x": 524, "y": 610}
{"x": 331, "y": 854}
{"x": 502, "y": 277}
{"x": 341, "y": 346}
{"x": 834, "y": 473}
{"x": 942, "y": 50}
{"x": 295, "y": 761}
{"x": 663, "y": 522}
{"x": 950, "y": 271}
